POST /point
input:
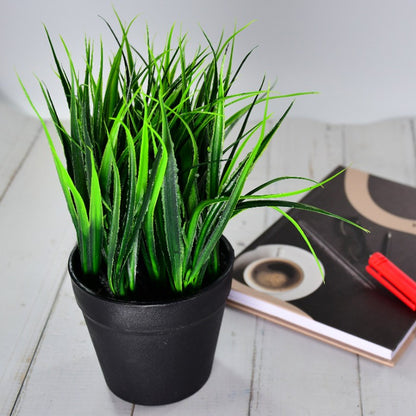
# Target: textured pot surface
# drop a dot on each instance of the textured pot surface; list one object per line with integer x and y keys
{"x": 155, "y": 353}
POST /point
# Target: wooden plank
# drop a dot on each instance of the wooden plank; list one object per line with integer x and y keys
{"x": 387, "y": 149}
{"x": 389, "y": 391}
{"x": 305, "y": 148}
{"x": 65, "y": 377}
{"x": 37, "y": 235}
{"x": 298, "y": 375}
{"x": 290, "y": 366}
{"x": 18, "y": 133}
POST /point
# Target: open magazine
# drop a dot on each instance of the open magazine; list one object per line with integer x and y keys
{"x": 277, "y": 277}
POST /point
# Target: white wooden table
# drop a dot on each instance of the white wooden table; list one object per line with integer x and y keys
{"x": 47, "y": 363}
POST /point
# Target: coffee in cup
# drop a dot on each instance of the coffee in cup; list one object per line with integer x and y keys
{"x": 273, "y": 275}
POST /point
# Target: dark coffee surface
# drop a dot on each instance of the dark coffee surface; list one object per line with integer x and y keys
{"x": 277, "y": 275}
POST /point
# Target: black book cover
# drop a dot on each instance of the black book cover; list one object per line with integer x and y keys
{"x": 349, "y": 299}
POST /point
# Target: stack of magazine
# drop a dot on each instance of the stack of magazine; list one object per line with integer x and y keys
{"x": 277, "y": 278}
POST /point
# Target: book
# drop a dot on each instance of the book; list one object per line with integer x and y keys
{"x": 276, "y": 277}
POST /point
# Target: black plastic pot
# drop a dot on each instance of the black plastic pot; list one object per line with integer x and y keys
{"x": 155, "y": 353}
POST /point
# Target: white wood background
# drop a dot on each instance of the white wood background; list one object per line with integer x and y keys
{"x": 47, "y": 363}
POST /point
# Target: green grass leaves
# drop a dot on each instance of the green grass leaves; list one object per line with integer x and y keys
{"x": 151, "y": 180}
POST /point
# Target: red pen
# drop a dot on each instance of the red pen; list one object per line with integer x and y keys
{"x": 393, "y": 279}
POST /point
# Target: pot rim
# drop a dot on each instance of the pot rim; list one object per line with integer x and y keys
{"x": 101, "y": 296}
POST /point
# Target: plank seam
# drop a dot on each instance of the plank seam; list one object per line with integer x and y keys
{"x": 253, "y": 367}
{"x": 360, "y": 395}
{"x": 22, "y": 162}
{"x": 343, "y": 146}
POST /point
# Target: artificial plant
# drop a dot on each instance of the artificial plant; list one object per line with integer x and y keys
{"x": 152, "y": 177}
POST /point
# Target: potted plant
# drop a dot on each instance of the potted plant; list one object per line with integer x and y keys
{"x": 151, "y": 182}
